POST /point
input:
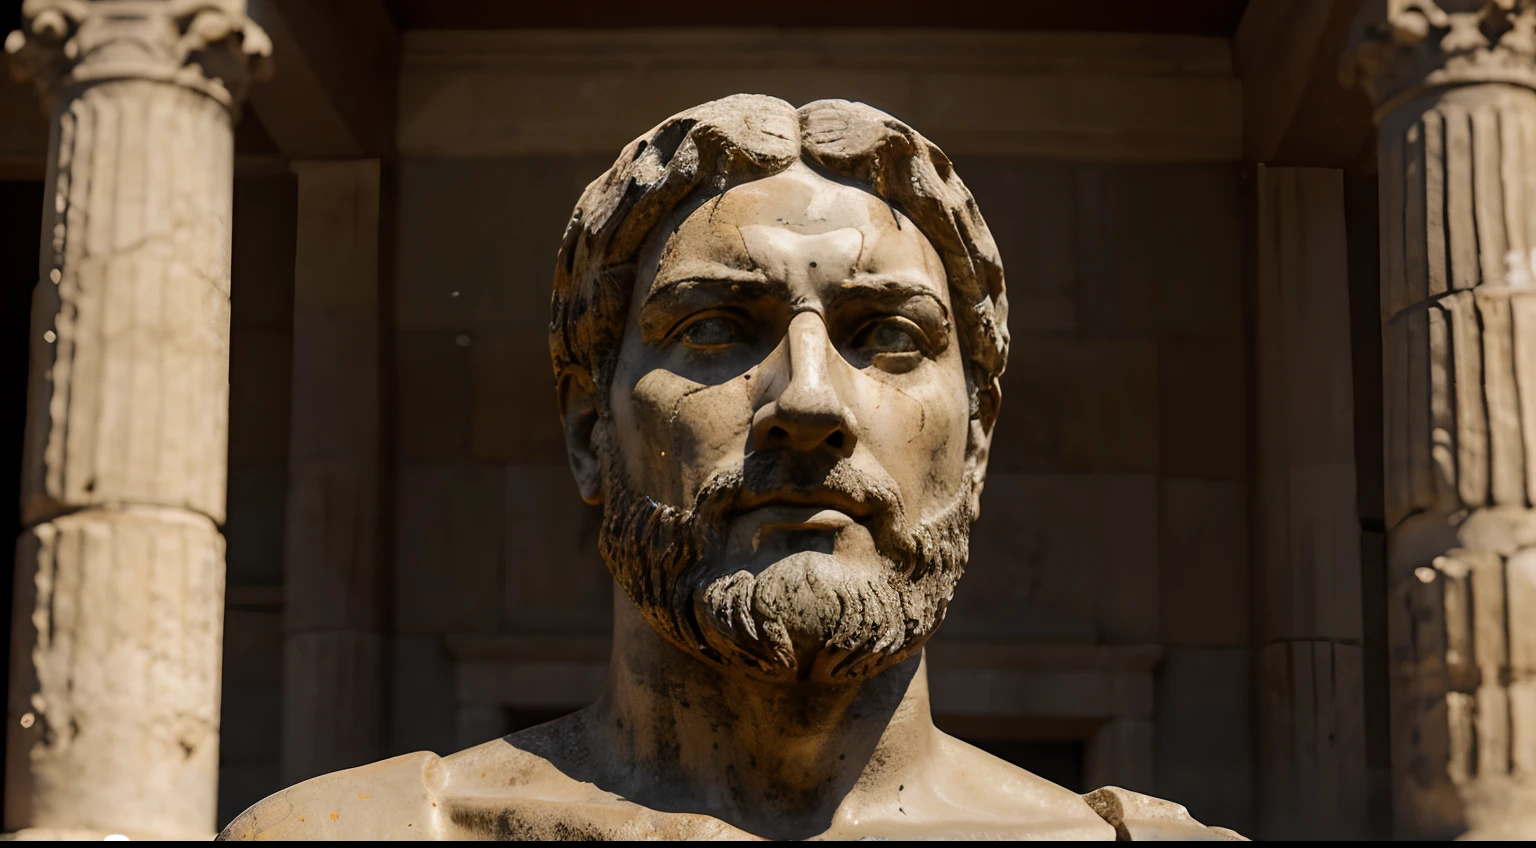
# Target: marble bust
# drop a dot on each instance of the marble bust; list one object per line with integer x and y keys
{"x": 777, "y": 335}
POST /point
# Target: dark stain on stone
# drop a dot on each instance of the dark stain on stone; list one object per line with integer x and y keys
{"x": 494, "y": 825}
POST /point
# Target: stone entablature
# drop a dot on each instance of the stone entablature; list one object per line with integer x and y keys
{"x": 1083, "y": 97}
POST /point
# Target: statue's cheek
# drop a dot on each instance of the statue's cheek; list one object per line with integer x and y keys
{"x": 918, "y": 431}
{"x": 712, "y": 426}
{"x": 676, "y": 432}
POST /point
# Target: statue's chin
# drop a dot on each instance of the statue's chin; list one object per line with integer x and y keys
{"x": 809, "y": 616}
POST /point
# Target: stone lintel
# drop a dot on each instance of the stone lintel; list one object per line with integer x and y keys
{"x": 1098, "y": 97}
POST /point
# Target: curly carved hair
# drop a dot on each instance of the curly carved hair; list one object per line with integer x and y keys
{"x": 710, "y": 148}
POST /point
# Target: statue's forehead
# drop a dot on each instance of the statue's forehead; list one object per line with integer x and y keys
{"x": 799, "y": 199}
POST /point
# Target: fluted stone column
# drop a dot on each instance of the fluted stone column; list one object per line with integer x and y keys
{"x": 116, "y": 631}
{"x": 1454, "y": 86}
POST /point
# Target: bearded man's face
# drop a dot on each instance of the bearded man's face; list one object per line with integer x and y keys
{"x": 789, "y": 459}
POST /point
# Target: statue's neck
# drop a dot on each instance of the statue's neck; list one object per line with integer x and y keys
{"x": 776, "y": 760}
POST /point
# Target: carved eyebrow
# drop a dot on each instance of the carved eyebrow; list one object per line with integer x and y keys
{"x": 667, "y": 302}
{"x": 889, "y": 289}
{"x": 696, "y": 271}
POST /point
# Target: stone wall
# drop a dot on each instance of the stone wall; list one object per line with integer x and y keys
{"x": 490, "y": 536}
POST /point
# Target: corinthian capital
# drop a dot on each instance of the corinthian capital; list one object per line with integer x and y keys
{"x": 207, "y": 45}
{"x": 1400, "y": 48}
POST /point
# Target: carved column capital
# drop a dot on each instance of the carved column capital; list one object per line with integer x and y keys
{"x": 1401, "y": 48}
{"x": 209, "y": 46}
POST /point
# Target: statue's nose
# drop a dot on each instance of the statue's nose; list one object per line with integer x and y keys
{"x": 809, "y": 412}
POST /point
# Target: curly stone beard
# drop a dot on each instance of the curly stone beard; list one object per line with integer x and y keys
{"x": 807, "y": 616}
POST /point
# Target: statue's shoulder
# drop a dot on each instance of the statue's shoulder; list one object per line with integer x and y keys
{"x": 1142, "y": 818}
{"x": 389, "y": 799}
{"x": 411, "y": 797}
{"x": 1012, "y": 802}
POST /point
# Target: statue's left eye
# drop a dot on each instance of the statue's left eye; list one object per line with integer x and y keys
{"x": 890, "y": 335}
{"x": 713, "y": 332}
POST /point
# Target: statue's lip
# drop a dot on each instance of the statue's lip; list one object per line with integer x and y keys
{"x": 825, "y": 499}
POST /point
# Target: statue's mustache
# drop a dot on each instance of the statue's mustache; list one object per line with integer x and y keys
{"x": 779, "y": 476}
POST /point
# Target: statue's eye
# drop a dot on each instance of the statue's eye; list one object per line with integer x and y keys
{"x": 889, "y": 336}
{"x": 713, "y": 332}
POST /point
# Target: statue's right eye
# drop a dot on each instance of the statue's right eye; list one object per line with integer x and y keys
{"x": 713, "y": 332}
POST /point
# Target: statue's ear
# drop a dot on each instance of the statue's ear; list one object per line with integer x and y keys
{"x": 578, "y": 412}
{"x": 988, "y": 401}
